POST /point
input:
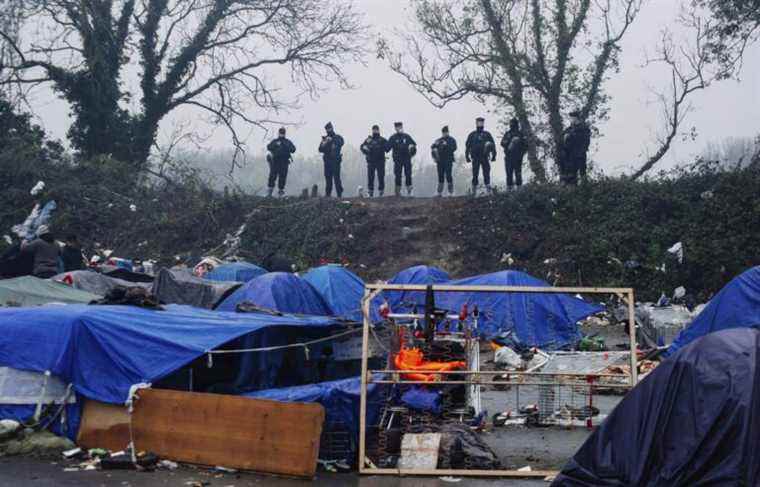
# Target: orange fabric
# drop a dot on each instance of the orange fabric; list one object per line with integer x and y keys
{"x": 412, "y": 359}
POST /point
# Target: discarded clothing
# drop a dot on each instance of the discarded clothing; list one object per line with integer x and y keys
{"x": 420, "y": 399}
{"x": 130, "y": 296}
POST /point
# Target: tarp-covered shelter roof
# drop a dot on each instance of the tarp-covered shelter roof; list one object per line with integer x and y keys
{"x": 235, "y": 272}
{"x": 695, "y": 420}
{"x": 341, "y": 289}
{"x": 95, "y": 282}
{"x": 182, "y": 287}
{"x": 279, "y": 291}
{"x": 104, "y": 350}
{"x": 404, "y": 301}
{"x": 545, "y": 320}
{"x": 736, "y": 306}
{"x": 32, "y": 291}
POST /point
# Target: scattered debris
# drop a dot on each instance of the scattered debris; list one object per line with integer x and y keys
{"x": 677, "y": 250}
{"x": 38, "y": 188}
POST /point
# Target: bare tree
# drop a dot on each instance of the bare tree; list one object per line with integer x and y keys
{"x": 536, "y": 59}
{"x": 689, "y": 65}
{"x": 216, "y": 56}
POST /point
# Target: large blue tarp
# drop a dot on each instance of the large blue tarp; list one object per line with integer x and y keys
{"x": 279, "y": 291}
{"x": 736, "y": 306}
{"x": 405, "y": 301}
{"x": 694, "y": 421}
{"x": 341, "y": 289}
{"x": 544, "y": 320}
{"x": 340, "y": 398}
{"x": 235, "y": 272}
{"x": 104, "y": 350}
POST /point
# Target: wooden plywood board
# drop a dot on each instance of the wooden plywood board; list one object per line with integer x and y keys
{"x": 229, "y": 431}
{"x": 104, "y": 426}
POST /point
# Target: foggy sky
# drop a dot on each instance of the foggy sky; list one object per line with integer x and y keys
{"x": 724, "y": 110}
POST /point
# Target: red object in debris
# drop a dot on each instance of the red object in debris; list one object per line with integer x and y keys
{"x": 463, "y": 313}
{"x": 67, "y": 279}
{"x": 385, "y": 310}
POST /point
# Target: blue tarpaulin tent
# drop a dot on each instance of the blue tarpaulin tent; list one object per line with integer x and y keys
{"x": 104, "y": 350}
{"x": 539, "y": 320}
{"x": 279, "y": 291}
{"x": 736, "y": 306}
{"x": 341, "y": 289}
{"x": 235, "y": 272}
{"x": 694, "y": 421}
{"x": 404, "y": 301}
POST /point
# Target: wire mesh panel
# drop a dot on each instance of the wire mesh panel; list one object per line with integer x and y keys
{"x": 446, "y": 410}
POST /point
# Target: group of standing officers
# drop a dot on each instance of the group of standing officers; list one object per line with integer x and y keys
{"x": 480, "y": 152}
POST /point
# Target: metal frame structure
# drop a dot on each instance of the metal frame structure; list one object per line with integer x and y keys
{"x": 475, "y": 378}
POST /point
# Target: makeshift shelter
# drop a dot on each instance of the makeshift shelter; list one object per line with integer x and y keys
{"x": 341, "y": 400}
{"x": 736, "y": 306}
{"x": 341, "y": 289}
{"x": 32, "y": 291}
{"x": 104, "y": 352}
{"x": 694, "y": 420}
{"x": 545, "y": 320}
{"x": 235, "y": 272}
{"x": 281, "y": 292}
{"x": 182, "y": 287}
{"x": 94, "y": 282}
{"x": 405, "y": 301}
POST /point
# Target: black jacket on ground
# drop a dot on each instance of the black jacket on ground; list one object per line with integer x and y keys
{"x": 375, "y": 148}
{"x": 399, "y": 144}
{"x": 72, "y": 259}
{"x": 281, "y": 149}
{"x": 476, "y": 146}
{"x": 443, "y": 149}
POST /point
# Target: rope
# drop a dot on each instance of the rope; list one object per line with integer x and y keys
{"x": 282, "y": 347}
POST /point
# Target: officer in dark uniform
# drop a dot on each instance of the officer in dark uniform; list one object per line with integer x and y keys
{"x": 375, "y": 148}
{"x": 443, "y": 151}
{"x": 575, "y": 143}
{"x": 481, "y": 151}
{"x": 279, "y": 157}
{"x": 331, "y": 147}
{"x": 404, "y": 148}
{"x": 513, "y": 144}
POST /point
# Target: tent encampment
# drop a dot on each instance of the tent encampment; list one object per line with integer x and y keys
{"x": 281, "y": 292}
{"x": 737, "y": 305}
{"x": 235, "y": 272}
{"x": 543, "y": 320}
{"x": 182, "y": 287}
{"x": 95, "y": 282}
{"x": 341, "y": 289}
{"x": 32, "y": 291}
{"x": 694, "y": 420}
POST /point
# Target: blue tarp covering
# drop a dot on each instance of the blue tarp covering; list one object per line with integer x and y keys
{"x": 539, "y": 320}
{"x": 404, "y": 301}
{"x": 235, "y": 272}
{"x": 340, "y": 398}
{"x": 736, "y": 306}
{"x": 279, "y": 291}
{"x": 694, "y": 421}
{"x": 341, "y": 289}
{"x": 103, "y": 350}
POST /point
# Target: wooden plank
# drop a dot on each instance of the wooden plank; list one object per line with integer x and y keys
{"x": 229, "y": 431}
{"x": 104, "y": 426}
